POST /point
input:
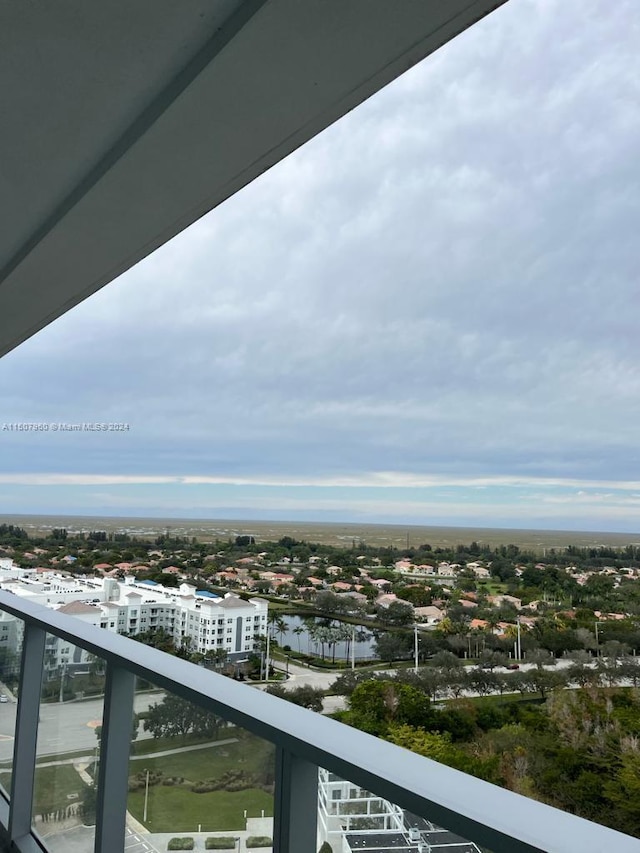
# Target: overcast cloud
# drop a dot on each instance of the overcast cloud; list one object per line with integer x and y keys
{"x": 426, "y": 314}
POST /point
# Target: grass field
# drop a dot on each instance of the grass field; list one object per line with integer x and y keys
{"x": 176, "y": 808}
{"x": 337, "y": 534}
{"x": 53, "y": 787}
{"x": 180, "y": 810}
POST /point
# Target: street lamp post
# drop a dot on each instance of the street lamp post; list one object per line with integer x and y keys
{"x": 353, "y": 647}
{"x": 415, "y": 648}
{"x": 62, "y": 677}
{"x": 598, "y": 639}
{"x": 146, "y": 799}
{"x": 266, "y": 674}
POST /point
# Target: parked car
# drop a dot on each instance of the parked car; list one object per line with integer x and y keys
{"x": 3, "y": 697}
{"x": 514, "y": 666}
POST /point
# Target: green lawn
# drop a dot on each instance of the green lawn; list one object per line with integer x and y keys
{"x": 179, "y": 810}
{"x": 53, "y": 784}
{"x": 248, "y": 754}
{"x": 492, "y": 587}
{"x": 176, "y": 808}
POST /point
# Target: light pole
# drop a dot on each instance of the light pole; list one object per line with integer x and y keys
{"x": 415, "y": 648}
{"x": 62, "y": 676}
{"x": 519, "y": 647}
{"x": 598, "y": 639}
{"x": 353, "y": 647}
{"x": 266, "y": 674}
{"x": 146, "y": 799}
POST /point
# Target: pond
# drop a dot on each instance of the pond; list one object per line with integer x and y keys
{"x": 308, "y": 635}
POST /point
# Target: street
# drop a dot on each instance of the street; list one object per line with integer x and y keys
{"x": 66, "y": 727}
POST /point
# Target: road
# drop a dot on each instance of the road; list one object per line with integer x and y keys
{"x": 66, "y": 727}
{"x": 301, "y": 676}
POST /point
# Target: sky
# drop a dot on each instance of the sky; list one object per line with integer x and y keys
{"x": 428, "y": 314}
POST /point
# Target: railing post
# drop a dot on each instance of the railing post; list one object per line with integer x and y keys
{"x": 115, "y": 745}
{"x": 26, "y": 736}
{"x": 296, "y": 804}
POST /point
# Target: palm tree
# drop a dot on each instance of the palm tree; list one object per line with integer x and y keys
{"x": 321, "y": 634}
{"x": 344, "y": 633}
{"x": 281, "y": 627}
{"x": 299, "y": 630}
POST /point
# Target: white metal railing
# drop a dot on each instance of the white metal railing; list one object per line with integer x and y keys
{"x": 495, "y": 819}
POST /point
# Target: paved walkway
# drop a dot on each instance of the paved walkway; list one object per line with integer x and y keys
{"x": 87, "y": 760}
{"x": 185, "y": 749}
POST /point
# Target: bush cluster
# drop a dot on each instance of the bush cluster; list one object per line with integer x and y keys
{"x": 232, "y": 780}
{"x": 180, "y": 844}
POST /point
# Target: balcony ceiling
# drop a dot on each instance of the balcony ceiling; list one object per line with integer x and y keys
{"x": 124, "y": 122}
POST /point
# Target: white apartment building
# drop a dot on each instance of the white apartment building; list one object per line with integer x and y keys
{"x": 208, "y": 623}
{"x": 351, "y": 819}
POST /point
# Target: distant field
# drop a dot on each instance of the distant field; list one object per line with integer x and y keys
{"x": 340, "y": 535}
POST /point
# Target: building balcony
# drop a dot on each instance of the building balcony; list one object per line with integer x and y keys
{"x": 275, "y": 766}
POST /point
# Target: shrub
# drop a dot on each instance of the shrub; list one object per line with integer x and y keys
{"x": 180, "y": 844}
{"x": 204, "y": 787}
{"x": 224, "y": 842}
{"x": 326, "y": 848}
{"x": 259, "y": 841}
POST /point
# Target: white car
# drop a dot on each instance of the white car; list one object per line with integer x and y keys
{"x": 3, "y": 698}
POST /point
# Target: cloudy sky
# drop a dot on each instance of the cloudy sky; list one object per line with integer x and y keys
{"x": 428, "y": 314}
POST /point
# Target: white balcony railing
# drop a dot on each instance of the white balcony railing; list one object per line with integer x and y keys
{"x": 497, "y": 820}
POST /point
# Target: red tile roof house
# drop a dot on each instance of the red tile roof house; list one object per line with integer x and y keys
{"x": 386, "y": 599}
{"x": 429, "y": 614}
